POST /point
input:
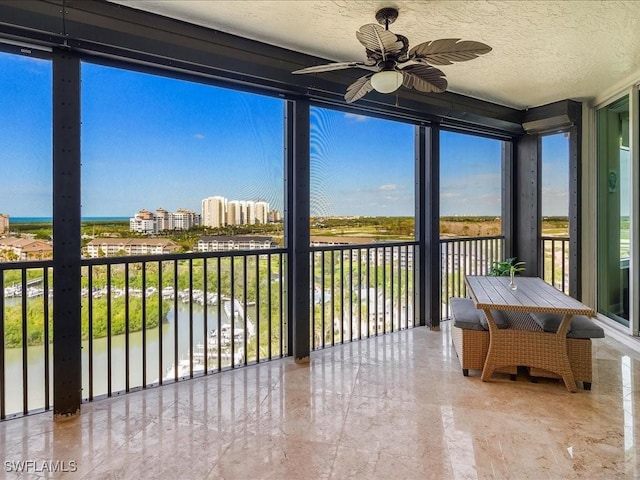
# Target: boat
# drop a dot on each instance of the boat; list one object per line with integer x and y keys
{"x": 183, "y": 369}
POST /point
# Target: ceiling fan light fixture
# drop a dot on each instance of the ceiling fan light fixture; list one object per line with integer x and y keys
{"x": 386, "y": 81}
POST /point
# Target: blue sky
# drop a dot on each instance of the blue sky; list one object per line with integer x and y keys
{"x": 150, "y": 142}
{"x": 555, "y": 175}
{"x": 25, "y": 136}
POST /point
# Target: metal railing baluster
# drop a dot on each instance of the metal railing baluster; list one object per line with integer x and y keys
{"x": 109, "y": 333}
{"x": 126, "y": 328}
{"x": 25, "y": 357}
{"x": 144, "y": 323}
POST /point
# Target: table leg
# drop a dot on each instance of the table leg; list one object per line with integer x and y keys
{"x": 489, "y": 364}
{"x": 565, "y": 366}
{"x": 514, "y": 347}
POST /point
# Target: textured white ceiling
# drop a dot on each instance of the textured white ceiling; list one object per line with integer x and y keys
{"x": 543, "y": 51}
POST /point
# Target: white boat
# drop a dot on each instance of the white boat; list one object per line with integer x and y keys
{"x": 225, "y": 335}
{"x": 238, "y": 311}
{"x": 183, "y": 369}
{"x": 212, "y": 359}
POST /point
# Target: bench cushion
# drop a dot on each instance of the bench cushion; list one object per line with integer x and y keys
{"x": 467, "y": 316}
{"x": 581, "y": 326}
{"x": 498, "y": 316}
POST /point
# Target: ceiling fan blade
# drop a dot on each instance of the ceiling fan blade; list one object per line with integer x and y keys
{"x": 424, "y": 78}
{"x": 334, "y": 66}
{"x": 358, "y": 89}
{"x": 375, "y": 38}
{"x": 448, "y": 50}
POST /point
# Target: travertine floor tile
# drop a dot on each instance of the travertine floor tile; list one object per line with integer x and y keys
{"x": 392, "y": 407}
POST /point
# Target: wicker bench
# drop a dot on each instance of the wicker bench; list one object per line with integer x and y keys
{"x": 470, "y": 336}
{"x": 579, "y": 336}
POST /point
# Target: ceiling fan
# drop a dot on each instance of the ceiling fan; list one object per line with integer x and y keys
{"x": 388, "y": 55}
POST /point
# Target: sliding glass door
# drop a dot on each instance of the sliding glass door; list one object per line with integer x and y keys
{"x": 614, "y": 208}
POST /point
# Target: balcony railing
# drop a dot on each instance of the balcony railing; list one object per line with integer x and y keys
{"x": 465, "y": 256}
{"x": 361, "y": 291}
{"x": 25, "y": 345}
{"x": 555, "y": 265}
{"x": 145, "y": 321}
{"x": 152, "y": 320}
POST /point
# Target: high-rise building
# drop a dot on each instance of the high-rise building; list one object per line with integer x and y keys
{"x": 184, "y": 219}
{"x": 214, "y": 212}
{"x": 146, "y": 222}
{"x": 143, "y": 222}
{"x": 250, "y": 209}
{"x": 163, "y": 219}
{"x": 234, "y": 212}
{"x": 274, "y": 216}
{"x": 218, "y": 212}
{"x": 262, "y": 212}
{"x": 4, "y": 223}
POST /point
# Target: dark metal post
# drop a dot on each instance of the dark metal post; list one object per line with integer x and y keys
{"x": 509, "y": 199}
{"x": 67, "y": 355}
{"x": 431, "y": 230}
{"x": 527, "y": 220}
{"x": 420, "y": 266}
{"x": 297, "y": 227}
{"x": 575, "y": 200}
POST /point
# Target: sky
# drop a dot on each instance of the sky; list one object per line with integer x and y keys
{"x": 149, "y": 142}
{"x": 555, "y": 175}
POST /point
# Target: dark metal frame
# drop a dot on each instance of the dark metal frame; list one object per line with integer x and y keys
{"x": 509, "y": 198}
{"x": 113, "y": 34}
{"x": 67, "y": 335}
{"x": 575, "y": 199}
{"x": 421, "y": 222}
{"x": 431, "y": 259}
{"x": 563, "y": 116}
{"x": 297, "y": 225}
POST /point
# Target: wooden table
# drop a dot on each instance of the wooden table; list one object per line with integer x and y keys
{"x": 526, "y": 347}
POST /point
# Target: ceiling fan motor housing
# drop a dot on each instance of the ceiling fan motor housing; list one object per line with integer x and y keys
{"x": 386, "y": 16}
{"x": 387, "y": 65}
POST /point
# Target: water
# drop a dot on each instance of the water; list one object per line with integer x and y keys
{"x": 35, "y": 358}
{"x": 50, "y": 219}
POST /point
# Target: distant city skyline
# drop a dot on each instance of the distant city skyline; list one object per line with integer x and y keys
{"x": 151, "y": 140}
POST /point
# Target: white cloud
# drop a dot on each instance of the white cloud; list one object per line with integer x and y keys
{"x": 444, "y": 195}
{"x": 199, "y": 136}
{"x": 388, "y": 187}
{"x": 356, "y": 117}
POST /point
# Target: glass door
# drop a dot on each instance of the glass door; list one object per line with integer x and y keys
{"x": 614, "y": 208}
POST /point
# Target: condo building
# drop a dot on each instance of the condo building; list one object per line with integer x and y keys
{"x": 109, "y": 247}
{"x": 20, "y": 249}
{"x": 148, "y": 222}
{"x": 4, "y": 223}
{"x": 221, "y": 243}
{"x": 214, "y": 212}
{"x": 261, "y": 212}
{"x": 218, "y": 212}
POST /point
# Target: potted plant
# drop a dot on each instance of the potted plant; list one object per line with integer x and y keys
{"x": 507, "y": 267}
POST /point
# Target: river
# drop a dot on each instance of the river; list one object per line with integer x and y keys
{"x": 36, "y": 367}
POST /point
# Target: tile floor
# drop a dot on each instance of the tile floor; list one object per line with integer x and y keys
{"x": 392, "y": 407}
